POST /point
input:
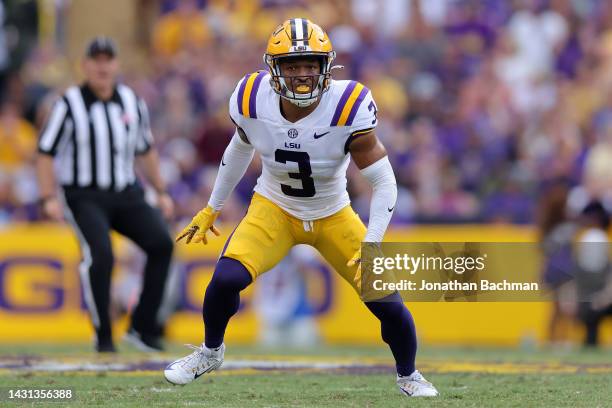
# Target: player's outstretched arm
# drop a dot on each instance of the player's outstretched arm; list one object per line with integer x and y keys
{"x": 234, "y": 163}
{"x": 371, "y": 158}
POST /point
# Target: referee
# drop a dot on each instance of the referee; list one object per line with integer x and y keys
{"x": 89, "y": 144}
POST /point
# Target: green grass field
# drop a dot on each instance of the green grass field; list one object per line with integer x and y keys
{"x": 321, "y": 377}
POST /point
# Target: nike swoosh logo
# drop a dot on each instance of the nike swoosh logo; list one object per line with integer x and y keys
{"x": 208, "y": 370}
{"x": 222, "y": 162}
{"x": 390, "y": 209}
{"x": 321, "y": 135}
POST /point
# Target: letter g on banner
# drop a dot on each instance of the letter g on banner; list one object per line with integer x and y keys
{"x": 31, "y": 284}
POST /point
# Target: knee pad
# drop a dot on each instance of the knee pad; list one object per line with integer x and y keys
{"x": 230, "y": 275}
{"x": 388, "y": 308}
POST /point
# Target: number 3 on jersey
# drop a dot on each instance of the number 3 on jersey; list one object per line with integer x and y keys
{"x": 305, "y": 171}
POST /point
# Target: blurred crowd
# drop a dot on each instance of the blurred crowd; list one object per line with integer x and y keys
{"x": 482, "y": 103}
{"x": 576, "y": 265}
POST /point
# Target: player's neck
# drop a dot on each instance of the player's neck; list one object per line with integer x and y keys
{"x": 294, "y": 113}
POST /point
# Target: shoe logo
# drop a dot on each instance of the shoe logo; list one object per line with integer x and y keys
{"x": 390, "y": 209}
{"x": 208, "y": 370}
{"x": 321, "y": 135}
{"x": 292, "y": 133}
{"x": 222, "y": 162}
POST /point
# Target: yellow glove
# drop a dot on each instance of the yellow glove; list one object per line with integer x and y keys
{"x": 356, "y": 260}
{"x": 371, "y": 250}
{"x": 199, "y": 225}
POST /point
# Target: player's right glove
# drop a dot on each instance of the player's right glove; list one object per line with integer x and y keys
{"x": 199, "y": 225}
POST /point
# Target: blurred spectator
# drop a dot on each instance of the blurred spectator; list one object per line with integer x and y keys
{"x": 8, "y": 203}
{"x": 556, "y": 232}
{"x": 184, "y": 27}
{"x": 17, "y": 139}
{"x": 18, "y": 192}
{"x": 598, "y": 167}
{"x": 4, "y": 51}
{"x": 593, "y": 272}
{"x": 281, "y": 301}
{"x": 536, "y": 33}
{"x": 213, "y": 138}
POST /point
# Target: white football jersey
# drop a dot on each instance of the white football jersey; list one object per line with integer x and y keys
{"x": 303, "y": 163}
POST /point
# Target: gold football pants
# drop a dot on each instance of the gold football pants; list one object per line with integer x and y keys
{"x": 267, "y": 233}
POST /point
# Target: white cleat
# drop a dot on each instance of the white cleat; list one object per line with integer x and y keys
{"x": 203, "y": 360}
{"x": 415, "y": 385}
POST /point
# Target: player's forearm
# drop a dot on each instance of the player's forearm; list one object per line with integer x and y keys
{"x": 235, "y": 161}
{"x": 384, "y": 195}
{"x": 149, "y": 163}
{"x": 45, "y": 175}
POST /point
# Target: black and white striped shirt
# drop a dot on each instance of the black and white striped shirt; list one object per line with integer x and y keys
{"x": 95, "y": 141}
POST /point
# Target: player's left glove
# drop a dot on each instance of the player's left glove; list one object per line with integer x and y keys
{"x": 199, "y": 226}
{"x": 356, "y": 260}
{"x": 363, "y": 258}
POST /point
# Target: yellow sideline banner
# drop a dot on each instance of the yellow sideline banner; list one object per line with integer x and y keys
{"x": 41, "y": 299}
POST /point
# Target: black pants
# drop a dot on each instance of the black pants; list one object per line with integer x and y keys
{"x": 592, "y": 320}
{"x": 94, "y": 213}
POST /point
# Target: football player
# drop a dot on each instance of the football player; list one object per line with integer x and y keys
{"x": 306, "y": 127}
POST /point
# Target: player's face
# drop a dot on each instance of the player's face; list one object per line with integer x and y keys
{"x": 301, "y": 74}
{"x": 101, "y": 70}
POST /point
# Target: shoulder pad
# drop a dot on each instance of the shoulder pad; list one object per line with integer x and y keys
{"x": 246, "y": 98}
{"x": 348, "y": 105}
